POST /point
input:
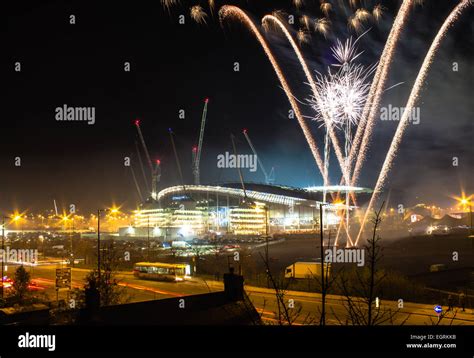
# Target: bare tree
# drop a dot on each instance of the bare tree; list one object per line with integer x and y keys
{"x": 285, "y": 315}
{"x": 362, "y": 289}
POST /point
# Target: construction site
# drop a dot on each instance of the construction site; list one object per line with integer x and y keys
{"x": 195, "y": 210}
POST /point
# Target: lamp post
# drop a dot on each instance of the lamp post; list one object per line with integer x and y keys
{"x": 71, "y": 255}
{"x": 266, "y": 242}
{"x": 99, "y": 212}
{"x": 323, "y": 287}
{"x": 3, "y": 250}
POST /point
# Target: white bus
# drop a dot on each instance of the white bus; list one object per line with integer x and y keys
{"x": 162, "y": 271}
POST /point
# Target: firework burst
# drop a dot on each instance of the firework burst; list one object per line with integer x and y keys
{"x": 302, "y": 36}
{"x": 354, "y": 23}
{"x": 353, "y": 3}
{"x": 344, "y": 94}
{"x": 346, "y": 52}
{"x": 305, "y": 22}
{"x": 298, "y": 3}
{"x": 169, "y": 3}
{"x": 322, "y": 26}
{"x": 198, "y": 14}
{"x": 362, "y": 15}
{"x": 377, "y": 12}
{"x": 326, "y": 8}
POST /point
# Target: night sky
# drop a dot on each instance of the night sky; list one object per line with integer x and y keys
{"x": 175, "y": 67}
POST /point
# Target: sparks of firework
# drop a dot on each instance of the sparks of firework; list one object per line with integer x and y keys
{"x": 305, "y": 22}
{"x": 354, "y": 23}
{"x": 322, "y": 25}
{"x": 377, "y": 12}
{"x": 343, "y": 94}
{"x": 281, "y": 25}
{"x": 326, "y": 8}
{"x": 362, "y": 14}
{"x": 365, "y": 127}
{"x": 346, "y": 52}
{"x": 237, "y": 13}
{"x": 169, "y": 3}
{"x": 302, "y": 36}
{"x": 365, "y": 130}
{"x": 420, "y": 79}
{"x": 298, "y": 3}
{"x": 198, "y": 14}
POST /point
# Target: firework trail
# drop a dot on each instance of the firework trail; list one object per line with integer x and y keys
{"x": 364, "y": 130}
{"x": 344, "y": 96}
{"x": 362, "y": 133}
{"x": 313, "y": 86}
{"x": 414, "y": 94}
{"x": 198, "y": 14}
{"x": 234, "y": 11}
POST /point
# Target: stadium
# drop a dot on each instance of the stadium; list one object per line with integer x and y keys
{"x": 192, "y": 211}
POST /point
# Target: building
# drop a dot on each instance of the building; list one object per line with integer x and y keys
{"x": 191, "y": 211}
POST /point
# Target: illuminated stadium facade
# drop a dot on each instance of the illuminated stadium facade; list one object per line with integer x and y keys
{"x": 193, "y": 211}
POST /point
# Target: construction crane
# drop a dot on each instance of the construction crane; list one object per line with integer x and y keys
{"x": 155, "y": 179}
{"x": 136, "y": 182}
{"x": 177, "y": 159}
{"x": 269, "y": 177}
{"x": 140, "y": 161}
{"x": 156, "y": 170}
{"x": 241, "y": 177}
{"x": 197, "y": 149}
{"x": 145, "y": 149}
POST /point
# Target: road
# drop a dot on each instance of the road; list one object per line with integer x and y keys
{"x": 305, "y": 307}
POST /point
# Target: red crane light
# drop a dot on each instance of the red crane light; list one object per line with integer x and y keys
{"x": 245, "y": 130}
{"x": 137, "y": 122}
{"x": 195, "y": 149}
{"x": 158, "y": 161}
{"x": 206, "y": 100}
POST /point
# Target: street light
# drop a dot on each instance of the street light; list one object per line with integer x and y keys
{"x": 258, "y": 208}
{"x": 71, "y": 231}
{"x": 99, "y": 211}
{"x": 323, "y": 288}
{"x": 112, "y": 210}
{"x": 14, "y": 218}
{"x": 466, "y": 202}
